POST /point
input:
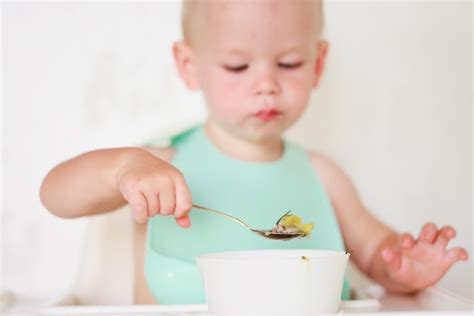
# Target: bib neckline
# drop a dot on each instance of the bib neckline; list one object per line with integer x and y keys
{"x": 202, "y": 134}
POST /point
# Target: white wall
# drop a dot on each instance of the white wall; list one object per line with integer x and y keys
{"x": 77, "y": 77}
{"x": 394, "y": 108}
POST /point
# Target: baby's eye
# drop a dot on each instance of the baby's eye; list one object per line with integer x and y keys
{"x": 290, "y": 65}
{"x": 238, "y": 68}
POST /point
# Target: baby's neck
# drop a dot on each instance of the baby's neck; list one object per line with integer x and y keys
{"x": 242, "y": 149}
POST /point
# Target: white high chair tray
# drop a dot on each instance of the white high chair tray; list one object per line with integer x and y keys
{"x": 371, "y": 300}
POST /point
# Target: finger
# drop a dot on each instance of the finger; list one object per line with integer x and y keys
{"x": 183, "y": 198}
{"x": 428, "y": 232}
{"x": 167, "y": 198}
{"x": 153, "y": 202}
{"x": 456, "y": 254}
{"x": 139, "y": 205}
{"x": 392, "y": 257}
{"x": 184, "y": 221}
{"x": 444, "y": 235}
{"x": 406, "y": 241}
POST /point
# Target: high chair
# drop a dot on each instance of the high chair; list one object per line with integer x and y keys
{"x": 106, "y": 272}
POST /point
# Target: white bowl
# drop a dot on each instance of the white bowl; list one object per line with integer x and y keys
{"x": 290, "y": 282}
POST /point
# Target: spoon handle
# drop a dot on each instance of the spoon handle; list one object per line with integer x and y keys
{"x": 235, "y": 219}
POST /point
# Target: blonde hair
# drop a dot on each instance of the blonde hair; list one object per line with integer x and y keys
{"x": 188, "y": 8}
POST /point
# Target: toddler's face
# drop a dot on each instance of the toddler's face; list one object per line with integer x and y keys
{"x": 256, "y": 63}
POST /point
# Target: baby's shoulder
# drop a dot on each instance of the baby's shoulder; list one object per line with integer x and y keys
{"x": 164, "y": 153}
{"x": 166, "y": 146}
{"x": 321, "y": 162}
{"x": 328, "y": 170}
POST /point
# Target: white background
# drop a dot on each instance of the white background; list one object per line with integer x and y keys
{"x": 394, "y": 109}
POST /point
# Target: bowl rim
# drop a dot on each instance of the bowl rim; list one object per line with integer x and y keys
{"x": 260, "y": 254}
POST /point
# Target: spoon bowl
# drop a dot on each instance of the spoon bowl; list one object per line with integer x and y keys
{"x": 278, "y": 236}
{"x": 265, "y": 233}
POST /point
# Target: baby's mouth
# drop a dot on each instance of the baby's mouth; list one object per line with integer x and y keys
{"x": 267, "y": 114}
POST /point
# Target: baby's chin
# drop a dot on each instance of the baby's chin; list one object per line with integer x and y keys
{"x": 264, "y": 133}
{"x": 256, "y": 131}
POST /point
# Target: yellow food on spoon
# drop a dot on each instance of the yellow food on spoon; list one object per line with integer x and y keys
{"x": 294, "y": 221}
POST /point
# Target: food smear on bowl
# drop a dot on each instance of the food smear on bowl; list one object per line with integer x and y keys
{"x": 292, "y": 224}
{"x": 306, "y": 261}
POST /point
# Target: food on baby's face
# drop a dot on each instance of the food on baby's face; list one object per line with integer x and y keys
{"x": 292, "y": 224}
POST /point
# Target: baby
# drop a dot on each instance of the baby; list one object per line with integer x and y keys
{"x": 256, "y": 62}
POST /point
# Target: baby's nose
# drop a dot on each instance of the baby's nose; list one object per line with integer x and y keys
{"x": 266, "y": 83}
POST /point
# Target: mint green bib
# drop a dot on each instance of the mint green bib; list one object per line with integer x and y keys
{"x": 258, "y": 193}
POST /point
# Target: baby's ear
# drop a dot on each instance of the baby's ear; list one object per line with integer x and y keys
{"x": 183, "y": 58}
{"x": 322, "y": 49}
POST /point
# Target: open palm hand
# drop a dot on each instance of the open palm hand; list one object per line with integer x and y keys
{"x": 417, "y": 264}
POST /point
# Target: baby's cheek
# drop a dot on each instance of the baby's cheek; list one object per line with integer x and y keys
{"x": 225, "y": 93}
{"x": 298, "y": 91}
{"x": 228, "y": 87}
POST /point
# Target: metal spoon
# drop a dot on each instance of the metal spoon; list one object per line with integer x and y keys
{"x": 262, "y": 232}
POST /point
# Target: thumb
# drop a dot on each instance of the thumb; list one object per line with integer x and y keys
{"x": 184, "y": 221}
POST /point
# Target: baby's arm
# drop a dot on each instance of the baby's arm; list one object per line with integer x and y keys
{"x": 103, "y": 180}
{"x": 397, "y": 261}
